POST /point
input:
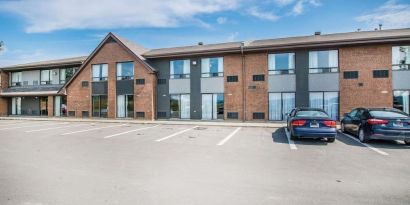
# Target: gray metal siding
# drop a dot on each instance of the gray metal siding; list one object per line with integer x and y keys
{"x": 125, "y": 87}
{"x": 282, "y": 83}
{"x": 324, "y": 82}
{"x": 401, "y": 79}
{"x": 212, "y": 85}
{"x": 302, "y": 78}
{"x": 177, "y": 86}
{"x": 99, "y": 88}
{"x": 163, "y": 100}
{"x": 196, "y": 97}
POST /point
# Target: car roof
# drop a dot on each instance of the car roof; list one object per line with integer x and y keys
{"x": 309, "y": 109}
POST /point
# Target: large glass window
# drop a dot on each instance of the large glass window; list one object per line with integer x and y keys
{"x": 125, "y": 106}
{"x": 401, "y": 100}
{"x": 212, "y": 67}
{"x": 180, "y": 106}
{"x": 66, "y": 74}
{"x": 212, "y": 106}
{"x": 60, "y": 106}
{"x": 281, "y": 63}
{"x": 100, "y": 72}
{"x": 280, "y": 104}
{"x": 323, "y": 61}
{"x": 328, "y": 101}
{"x": 179, "y": 69}
{"x": 125, "y": 71}
{"x": 401, "y": 57}
{"x": 16, "y": 106}
{"x": 45, "y": 77}
{"x": 100, "y": 106}
{"x": 44, "y": 106}
{"x": 16, "y": 78}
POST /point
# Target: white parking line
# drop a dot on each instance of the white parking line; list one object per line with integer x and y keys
{"x": 123, "y": 133}
{"x": 365, "y": 144}
{"x": 229, "y": 136}
{"x": 52, "y": 128}
{"x": 97, "y": 128}
{"x": 291, "y": 142}
{"x": 45, "y": 124}
{"x": 19, "y": 123}
{"x": 175, "y": 134}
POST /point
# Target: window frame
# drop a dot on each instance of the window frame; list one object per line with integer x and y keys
{"x": 348, "y": 74}
{"x": 323, "y": 101}
{"x": 212, "y": 74}
{"x": 377, "y": 73}
{"x": 288, "y": 71}
{"x": 18, "y": 83}
{"x": 125, "y": 77}
{"x": 324, "y": 70}
{"x": 100, "y": 74}
{"x": 395, "y": 66}
{"x": 179, "y": 75}
{"x": 45, "y": 82}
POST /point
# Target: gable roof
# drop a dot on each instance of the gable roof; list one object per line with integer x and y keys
{"x": 47, "y": 64}
{"x": 131, "y": 47}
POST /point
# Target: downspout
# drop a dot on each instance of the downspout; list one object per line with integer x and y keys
{"x": 243, "y": 81}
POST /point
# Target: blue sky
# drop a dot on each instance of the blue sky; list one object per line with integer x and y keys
{"x": 34, "y": 30}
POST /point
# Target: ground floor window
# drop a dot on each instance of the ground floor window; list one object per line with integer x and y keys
{"x": 280, "y": 104}
{"x": 100, "y": 105}
{"x": 16, "y": 106}
{"x": 401, "y": 100}
{"x": 60, "y": 106}
{"x": 180, "y": 106}
{"x": 43, "y": 106}
{"x": 212, "y": 106}
{"x": 125, "y": 106}
{"x": 328, "y": 101}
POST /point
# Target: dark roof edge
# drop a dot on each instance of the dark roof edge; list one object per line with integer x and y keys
{"x": 205, "y": 52}
{"x": 10, "y": 68}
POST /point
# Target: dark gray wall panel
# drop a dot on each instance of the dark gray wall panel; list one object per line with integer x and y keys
{"x": 302, "y": 78}
{"x": 196, "y": 97}
{"x": 99, "y": 88}
{"x": 30, "y": 106}
{"x": 162, "y": 67}
{"x": 125, "y": 87}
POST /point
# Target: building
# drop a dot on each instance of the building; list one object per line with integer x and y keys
{"x": 251, "y": 80}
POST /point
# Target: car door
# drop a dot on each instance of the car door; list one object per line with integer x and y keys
{"x": 348, "y": 121}
{"x": 357, "y": 121}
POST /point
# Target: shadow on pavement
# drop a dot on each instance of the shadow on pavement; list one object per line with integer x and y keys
{"x": 279, "y": 136}
{"x": 385, "y": 144}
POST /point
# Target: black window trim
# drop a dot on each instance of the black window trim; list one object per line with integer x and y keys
{"x": 282, "y": 71}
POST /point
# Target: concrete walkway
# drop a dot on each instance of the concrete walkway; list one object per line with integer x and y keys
{"x": 163, "y": 122}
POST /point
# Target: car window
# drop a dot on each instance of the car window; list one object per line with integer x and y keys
{"x": 359, "y": 113}
{"x": 292, "y": 113}
{"x": 387, "y": 114}
{"x": 310, "y": 113}
{"x": 353, "y": 113}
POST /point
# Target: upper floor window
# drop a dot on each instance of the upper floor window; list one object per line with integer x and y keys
{"x": 281, "y": 63}
{"x": 212, "y": 67}
{"x": 125, "y": 71}
{"x": 179, "y": 69}
{"x": 45, "y": 77}
{"x": 100, "y": 72}
{"x": 401, "y": 57}
{"x": 16, "y": 78}
{"x": 323, "y": 61}
{"x": 66, "y": 74}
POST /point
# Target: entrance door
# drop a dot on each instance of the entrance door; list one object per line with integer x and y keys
{"x": 16, "y": 106}
{"x": 212, "y": 106}
{"x": 180, "y": 106}
{"x": 125, "y": 106}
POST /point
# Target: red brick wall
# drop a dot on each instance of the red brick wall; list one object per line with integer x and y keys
{"x": 78, "y": 97}
{"x": 256, "y": 99}
{"x": 50, "y": 106}
{"x": 3, "y": 101}
{"x": 233, "y": 91}
{"x": 144, "y": 95}
{"x": 375, "y": 92}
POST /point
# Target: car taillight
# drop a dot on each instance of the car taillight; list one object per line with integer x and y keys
{"x": 297, "y": 123}
{"x": 330, "y": 123}
{"x": 377, "y": 122}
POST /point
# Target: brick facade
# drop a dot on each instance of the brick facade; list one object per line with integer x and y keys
{"x": 50, "y": 106}
{"x": 79, "y": 97}
{"x": 144, "y": 100}
{"x": 257, "y": 96}
{"x": 3, "y": 101}
{"x": 374, "y": 92}
{"x": 233, "y": 91}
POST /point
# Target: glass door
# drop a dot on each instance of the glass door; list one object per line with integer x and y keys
{"x": 125, "y": 106}
{"x": 212, "y": 106}
{"x": 43, "y": 106}
{"x": 280, "y": 104}
{"x": 180, "y": 106}
{"x": 16, "y": 106}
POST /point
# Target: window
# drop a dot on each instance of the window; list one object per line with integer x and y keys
{"x": 212, "y": 106}
{"x": 231, "y": 79}
{"x": 16, "y": 78}
{"x": 162, "y": 115}
{"x": 140, "y": 81}
{"x": 85, "y": 114}
{"x": 401, "y": 57}
{"x": 100, "y": 106}
{"x": 351, "y": 74}
{"x": 232, "y": 115}
{"x": 212, "y": 67}
{"x": 60, "y": 106}
{"x": 44, "y": 106}
{"x": 71, "y": 113}
{"x": 125, "y": 71}
{"x": 281, "y": 63}
{"x": 45, "y": 78}
{"x": 179, "y": 69}
{"x": 125, "y": 106}
{"x": 66, "y": 74}
{"x": 16, "y": 105}
{"x": 258, "y": 77}
{"x": 100, "y": 72}
{"x": 180, "y": 106}
{"x": 380, "y": 73}
{"x": 162, "y": 81}
{"x": 401, "y": 100}
{"x": 258, "y": 115}
{"x": 280, "y": 104}
{"x": 328, "y": 101}
{"x": 323, "y": 61}
{"x": 140, "y": 114}
{"x": 84, "y": 84}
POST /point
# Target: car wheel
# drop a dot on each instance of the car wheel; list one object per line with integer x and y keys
{"x": 362, "y": 136}
{"x": 331, "y": 140}
{"x": 342, "y": 127}
{"x": 407, "y": 142}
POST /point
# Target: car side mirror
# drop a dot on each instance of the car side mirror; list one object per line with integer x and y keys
{"x": 287, "y": 114}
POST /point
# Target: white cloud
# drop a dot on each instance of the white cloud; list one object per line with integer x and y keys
{"x": 300, "y": 5}
{"x": 269, "y": 16}
{"x": 232, "y": 37}
{"x": 390, "y": 14}
{"x": 221, "y": 20}
{"x": 51, "y": 15}
{"x": 283, "y": 2}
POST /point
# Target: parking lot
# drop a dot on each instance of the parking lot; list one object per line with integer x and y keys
{"x": 56, "y": 162}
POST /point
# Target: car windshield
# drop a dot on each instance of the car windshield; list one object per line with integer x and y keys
{"x": 387, "y": 114}
{"x": 311, "y": 113}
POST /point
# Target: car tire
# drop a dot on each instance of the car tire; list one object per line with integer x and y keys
{"x": 342, "y": 127}
{"x": 292, "y": 137}
{"x": 362, "y": 136}
{"x": 407, "y": 142}
{"x": 331, "y": 140}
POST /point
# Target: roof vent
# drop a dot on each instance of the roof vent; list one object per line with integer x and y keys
{"x": 318, "y": 33}
{"x": 200, "y": 43}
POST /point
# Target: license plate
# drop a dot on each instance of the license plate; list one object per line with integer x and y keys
{"x": 397, "y": 124}
{"x": 314, "y": 124}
